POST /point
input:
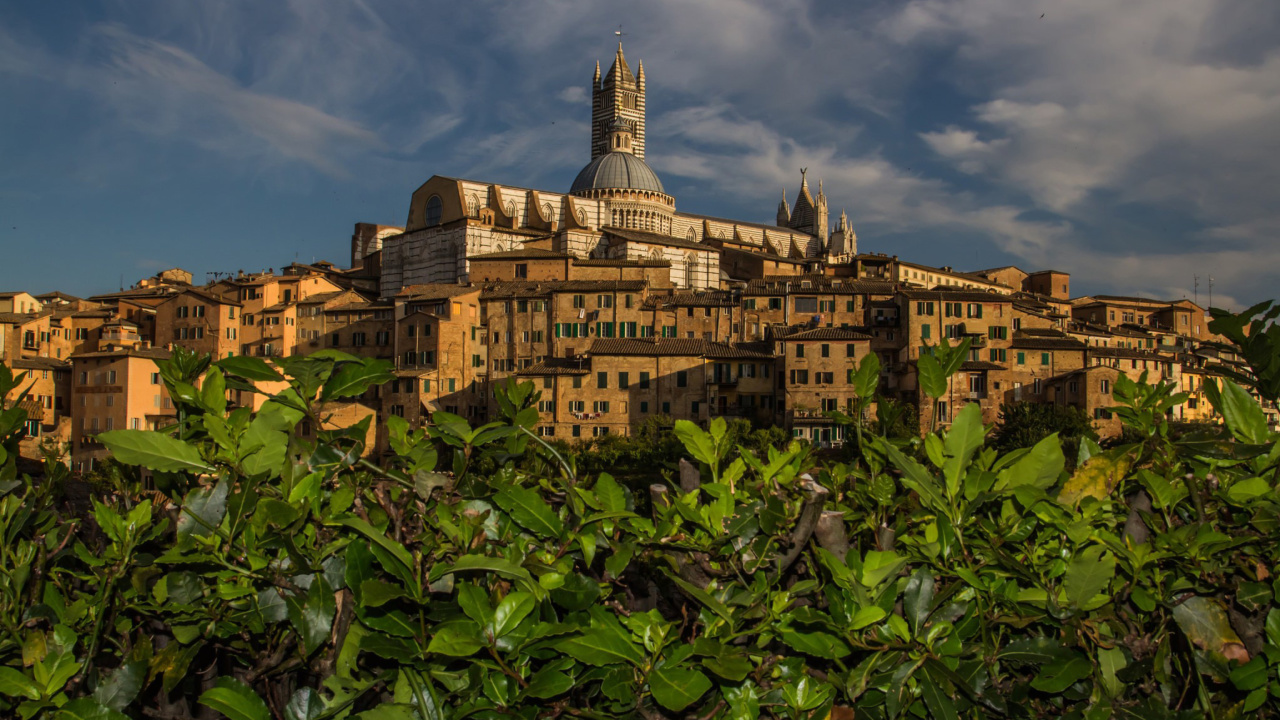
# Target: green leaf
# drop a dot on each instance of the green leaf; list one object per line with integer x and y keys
{"x": 312, "y": 615}
{"x": 1243, "y": 414}
{"x": 1088, "y": 574}
{"x": 203, "y": 510}
{"x": 1096, "y": 479}
{"x": 353, "y": 378}
{"x": 1248, "y": 489}
{"x": 375, "y": 593}
{"x": 1039, "y": 468}
{"x": 1111, "y": 662}
{"x": 484, "y": 563}
{"x": 1251, "y": 675}
{"x": 119, "y": 688}
{"x": 1206, "y": 625}
{"x": 14, "y": 684}
{"x": 88, "y": 709}
{"x": 918, "y": 598}
{"x": 306, "y": 704}
{"x": 963, "y": 439}
{"x": 391, "y": 546}
{"x": 1254, "y": 596}
{"x": 235, "y": 700}
{"x": 601, "y": 647}
{"x": 697, "y": 441}
{"x": 460, "y": 639}
{"x": 940, "y": 704}
{"x": 528, "y": 509}
{"x": 1062, "y": 673}
{"x": 249, "y": 368}
{"x": 933, "y": 381}
{"x": 513, "y": 609}
{"x": 153, "y": 450}
{"x": 1032, "y": 651}
{"x": 676, "y": 688}
{"x": 818, "y": 644}
{"x": 547, "y": 683}
{"x": 610, "y": 494}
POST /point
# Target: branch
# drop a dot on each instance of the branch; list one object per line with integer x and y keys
{"x": 815, "y": 497}
{"x": 831, "y": 533}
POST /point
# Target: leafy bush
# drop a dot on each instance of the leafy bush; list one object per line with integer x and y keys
{"x": 278, "y": 577}
{"x": 1024, "y": 424}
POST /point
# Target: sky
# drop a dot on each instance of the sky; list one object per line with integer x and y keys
{"x": 1133, "y": 144}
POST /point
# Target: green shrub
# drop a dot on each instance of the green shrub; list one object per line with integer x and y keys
{"x": 274, "y": 577}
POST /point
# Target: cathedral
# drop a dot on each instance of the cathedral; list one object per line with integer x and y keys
{"x": 616, "y": 210}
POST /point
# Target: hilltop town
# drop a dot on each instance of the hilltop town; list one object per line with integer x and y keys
{"x": 617, "y": 307}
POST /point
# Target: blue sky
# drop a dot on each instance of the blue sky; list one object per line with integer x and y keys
{"x": 1133, "y": 144}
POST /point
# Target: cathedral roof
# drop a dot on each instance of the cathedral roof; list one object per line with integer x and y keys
{"x": 620, "y": 66}
{"x": 617, "y": 170}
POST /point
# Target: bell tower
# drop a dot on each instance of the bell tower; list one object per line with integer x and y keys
{"x": 618, "y": 95}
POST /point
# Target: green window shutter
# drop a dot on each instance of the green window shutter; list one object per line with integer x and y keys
{"x": 1022, "y": 358}
{"x": 1044, "y": 358}
{"x": 924, "y": 331}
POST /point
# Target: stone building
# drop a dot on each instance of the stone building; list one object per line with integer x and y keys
{"x": 115, "y": 389}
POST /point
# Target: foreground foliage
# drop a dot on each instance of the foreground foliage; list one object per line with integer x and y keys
{"x": 276, "y": 577}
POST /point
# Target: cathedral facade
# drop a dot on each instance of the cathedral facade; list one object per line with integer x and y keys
{"x": 616, "y": 209}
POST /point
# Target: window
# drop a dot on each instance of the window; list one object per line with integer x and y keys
{"x": 666, "y": 408}
{"x": 668, "y": 331}
{"x": 1022, "y": 358}
{"x": 998, "y": 332}
{"x": 1044, "y": 358}
{"x": 602, "y": 379}
{"x": 682, "y": 379}
{"x": 924, "y": 331}
{"x": 576, "y": 406}
{"x": 577, "y": 381}
{"x": 546, "y": 406}
{"x": 799, "y": 377}
{"x": 807, "y": 305}
{"x": 453, "y": 384}
{"x": 644, "y": 406}
{"x": 623, "y": 381}
{"x": 644, "y": 381}
{"x": 1037, "y": 386}
{"x": 775, "y": 303}
{"x": 627, "y": 300}
{"x": 599, "y": 431}
{"x": 924, "y": 308}
{"x": 1105, "y": 387}
{"x": 600, "y": 406}
{"x": 357, "y": 339}
{"x": 577, "y": 431}
{"x": 579, "y": 301}
{"x": 1017, "y": 323}
{"x": 522, "y": 270}
{"x": 826, "y": 350}
{"x": 749, "y": 304}
{"x": 799, "y": 350}
{"x": 547, "y": 431}
{"x": 111, "y": 377}
{"x": 383, "y": 338}
{"x": 975, "y": 310}
{"x": 433, "y": 210}
{"x": 604, "y": 301}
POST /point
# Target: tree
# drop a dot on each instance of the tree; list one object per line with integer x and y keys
{"x": 1024, "y": 424}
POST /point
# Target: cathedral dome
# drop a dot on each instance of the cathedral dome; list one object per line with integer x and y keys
{"x": 617, "y": 171}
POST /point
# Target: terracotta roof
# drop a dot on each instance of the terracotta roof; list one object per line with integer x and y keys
{"x": 153, "y": 353}
{"x": 434, "y": 291}
{"x": 710, "y": 298}
{"x": 521, "y": 254}
{"x": 668, "y": 347}
{"x": 609, "y": 262}
{"x": 323, "y": 297}
{"x": 1128, "y": 353}
{"x": 1047, "y": 343}
{"x": 56, "y": 294}
{"x": 557, "y": 366}
{"x": 203, "y": 295}
{"x": 823, "y": 334}
{"x": 975, "y": 365}
{"x": 777, "y": 285}
{"x": 946, "y": 295}
{"x": 765, "y": 255}
{"x": 18, "y": 318}
{"x": 652, "y": 238}
{"x": 39, "y": 363}
{"x": 524, "y": 288}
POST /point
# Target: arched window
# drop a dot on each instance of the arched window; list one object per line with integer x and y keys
{"x": 473, "y": 206}
{"x": 434, "y": 209}
{"x": 690, "y": 267}
{"x": 692, "y": 235}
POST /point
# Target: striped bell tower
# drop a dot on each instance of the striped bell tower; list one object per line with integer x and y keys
{"x": 617, "y": 95}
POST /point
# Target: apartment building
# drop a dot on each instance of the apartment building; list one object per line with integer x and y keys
{"x": 115, "y": 389}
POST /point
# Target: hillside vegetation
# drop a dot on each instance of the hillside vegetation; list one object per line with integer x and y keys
{"x": 481, "y": 573}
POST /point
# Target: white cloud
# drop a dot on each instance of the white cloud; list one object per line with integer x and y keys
{"x": 575, "y": 94}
